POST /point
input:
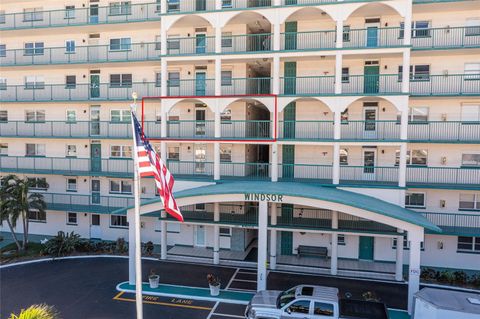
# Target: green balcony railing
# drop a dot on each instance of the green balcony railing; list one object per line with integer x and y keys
{"x": 307, "y": 85}
{"x": 307, "y": 172}
{"x": 184, "y": 6}
{"x": 308, "y": 40}
{"x": 198, "y": 44}
{"x": 249, "y": 129}
{"x": 191, "y": 87}
{"x": 67, "y": 166}
{"x": 255, "y": 42}
{"x": 254, "y": 171}
{"x": 191, "y": 169}
{"x": 455, "y": 176}
{"x": 372, "y": 38}
{"x": 82, "y": 16}
{"x": 371, "y": 84}
{"x": 446, "y": 38}
{"x": 233, "y": 214}
{"x": 455, "y": 223}
{"x": 246, "y": 86}
{"x": 191, "y": 129}
{"x": 447, "y": 84}
{"x": 458, "y": 131}
{"x": 305, "y": 130}
{"x": 368, "y": 174}
{"x": 81, "y": 54}
{"x": 78, "y": 92}
{"x": 370, "y": 130}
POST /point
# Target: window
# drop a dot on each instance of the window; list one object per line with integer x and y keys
{"x": 418, "y": 114}
{"x": 471, "y": 160}
{"x": 419, "y": 72}
{"x": 3, "y": 116}
{"x": 71, "y": 116}
{"x": 70, "y": 46}
{"x": 345, "y": 75}
{"x": 121, "y": 80}
{"x": 35, "y": 116}
{"x": 323, "y": 309}
{"x": 71, "y": 184}
{"x": 472, "y": 71}
{"x": 420, "y": 29}
{"x": 226, "y": 116}
{"x": 346, "y": 33}
{"x": 71, "y": 150}
{"x": 341, "y": 240}
{"x": 173, "y": 5}
{"x": 227, "y": 40}
{"x": 3, "y": 149}
{"x": 300, "y": 306}
{"x": 36, "y": 216}
{"x": 34, "y": 82}
{"x": 414, "y": 157}
{"x": 120, "y": 116}
{"x": 344, "y": 117}
{"x": 200, "y": 207}
{"x": 120, "y": 8}
{"x": 471, "y": 113}
{"x": 225, "y": 231}
{"x": 468, "y": 244}
{"x": 158, "y": 79}
{"x": 33, "y": 48}
{"x": 406, "y": 243}
{"x": 121, "y": 151}
{"x": 118, "y": 221}
{"x": 226, "y": 153}
{"x": 226, "y": 78}
{"x": 71, "y": 81}
{"x": 158, "y": 42}
{"x": 469, "y": 201}
{"x": 72, "y": 218}
{"x": 226, "y": 3}
{"x": 173, "y": 79}
{"x": 69, "y": 12}
{"x": 3, "y": 50}
{"x": 472, "y": 27}
{"x": 158, "y": 6}
{"x": 3, "y": 83}
{"x": 173, "y": 153}
{"x": 120, "y": 44}
{"x": 32, "y": 14}
{"x": 415, "y": 200}
{"x": 2, "y": 17}
{"x": 173, "y": 42}
{"x": 343, "y": 156}
{"x": 35, "y": 150}
{"x": 38, "y": 183}
{"x": 121, "y": 186}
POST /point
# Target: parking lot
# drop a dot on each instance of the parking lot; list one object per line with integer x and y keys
{"x": 85, "y": 288}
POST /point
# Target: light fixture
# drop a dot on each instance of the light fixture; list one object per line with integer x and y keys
{"x": 443, "y": 203}
{"x": 444, "y": 160}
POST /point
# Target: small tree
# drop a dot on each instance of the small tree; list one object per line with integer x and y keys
{"x": 16, "y": 202}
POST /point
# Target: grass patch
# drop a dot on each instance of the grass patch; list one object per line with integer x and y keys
{"x": 33, "y": 249}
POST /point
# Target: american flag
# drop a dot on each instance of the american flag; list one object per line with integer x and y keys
{"x": 150, "y": 164}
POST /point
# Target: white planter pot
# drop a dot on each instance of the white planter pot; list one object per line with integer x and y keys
{"x": 214, "y": 290}
{"x": 154, "y": 281}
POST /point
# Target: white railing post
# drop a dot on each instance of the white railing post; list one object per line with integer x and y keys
{"x": 216, "y": 233}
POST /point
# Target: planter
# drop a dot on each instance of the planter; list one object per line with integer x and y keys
{"x": 214, "y": 290}
{"x": 154, "y": 281}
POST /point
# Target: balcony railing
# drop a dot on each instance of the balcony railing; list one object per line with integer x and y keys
{"x": 191, "y": 45}
{"x": 250, "y": 129}
{"x": 447, "y": 37}
{"x": 319, "y": 173}
{"x": 206, "y": 5}
{"x": 370, "y": 130}
{"x": 191, "y": 169}
{"x": 82, "y": 16}
{"x": 368, "y": 174}
{"x": 443, "y": 175}
{"x": 448, "y": 84}
{"x": 67, "y": 166}
{"x": 78, "y": 92}
{"x": 255, "y": 42}
{"x": 191, "y": 87}
{"x": 307, "y": 85}
{"x": 82, "y": 54}
{"x": 305, "y": 130}
{"x": 444, "y": 131}
{"x": 246, "y": 86}
{"x": 229, "y": 214}
{"x": 456, "y": 224}
{"x": 254, "y": 171}
{"x": 309, "y": 40}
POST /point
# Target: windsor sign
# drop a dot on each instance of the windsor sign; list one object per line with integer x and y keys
{"x": 264, "y": 197}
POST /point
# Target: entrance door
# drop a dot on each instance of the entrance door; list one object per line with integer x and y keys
{"x": 96, "y": 157}
{"x": 371, "y": 79}
{"x": 370, "y": 124}
{"x": 95, "y": 228}
{"x": 200, "y": 43}
{"x": 201, "y": 5}
{"x": 286, "y": 239}
{"x": 94, "y": 120}
{"x": 289, "y": 117}
{"x": 365, "y": 249}
{"x": 291, "y": 35}
{"x": 369, "y": 161}
{"x": 95, "y": 191}
{"x": 200, "y": 83}
{"x": 93, "y": 13}
{"x": 200, "y": 129}
{"x": 200, "y": 158}
{"x": 94, "y": 86}
{"x": 372, "y": 34}
{"x": 288, "y": 160}
{"x": 200, "y": 236}
{"x": 290, "y": 78}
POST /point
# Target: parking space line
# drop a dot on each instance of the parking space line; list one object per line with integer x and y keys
{"x": 244, "y": 280}
{"x": 120, "y": 298}
{"x": 240, "y": 289}
{"x": 227, "y": 315}
{"x": 213, "y": 310}
{"x": 231, "y": 279}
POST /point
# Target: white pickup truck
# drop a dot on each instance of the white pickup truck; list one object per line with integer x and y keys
{"x": 311, "y": 302}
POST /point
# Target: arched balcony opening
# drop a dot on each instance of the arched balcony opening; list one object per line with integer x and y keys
{"x": 245, "y": 119}
{"x": 189, "y": 35}
{"x": 252, "y": 78}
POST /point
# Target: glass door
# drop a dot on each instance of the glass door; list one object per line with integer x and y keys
{"x": 369, "y": 163}
{"x": 200, "y": 236}
{"x": 95, "y": 157}
{"x": 200, "y": 158}
{"x": 95, "y": 228}
{"x": 370, "y": 122}
{"x": 93, "y": 13}
{"x": 94, "y": 120}
{"x": 96, "y": 191}
{"x": 200, "y": 122}
{"x": 94, "y": 86}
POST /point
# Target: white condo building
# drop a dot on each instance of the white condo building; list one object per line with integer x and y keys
{"x": 291, "y": 126}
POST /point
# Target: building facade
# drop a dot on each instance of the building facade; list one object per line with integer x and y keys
{"x": 289, "y": 95}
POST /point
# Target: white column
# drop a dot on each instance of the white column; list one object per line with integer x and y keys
{"x": 276, "y": 75}
{"x": 216, "y": 234}
{"x": 337, "y": 125}
{"x": 413, "y": 270}
{"x": 163, "y": 234}
{"x": 131, "y": 246}
{"x": 334, "y": 252}
{"x": 407, "y": 35}
{"x": 273, "y": 237}
{"x": 262, "y": 246}
{"x": 399, "y": 259}
{"x": 338, "y": 73}
{"x": 218, "y": 4}
{"x": 163, "y": 6}
{"x": 218, "y": 39}
{"x": 276, "y": 37}
{"x": 339, "y": 34}
{"x": 274, "y": 162}
{"x": 164, "y": 78}
{"x": 404, "y": 124}
{"x": 216, "y": 161}
{"x": 406, "y": 72}
{"x": 402, "y": 166}
{"x": 277, "y": 3}
{"x": 218, "y": 76}
{"x": 336, "y": 164}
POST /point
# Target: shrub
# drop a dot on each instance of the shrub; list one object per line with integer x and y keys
{"x": 121, "y": 246}
{"x": 460, "y": 277}
{"x": 429, "y": 274}
{"x": 62, "y": 244}
{"x": 148, "y": 248}
{"x": 42, "y": 311}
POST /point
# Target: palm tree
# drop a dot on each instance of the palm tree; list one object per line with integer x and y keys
{"x": 17, "y": 201}
{"x": 37, "y": 312}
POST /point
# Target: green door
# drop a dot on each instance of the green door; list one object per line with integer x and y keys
{"x": 201, "y": 5}
{"x": 289, "y": 116}
{"x": 96, "y": 157}
{"x": 200, "y": 43}
{"x": 291, "y": 35}
{"x": 94, "y": 86}
{"x": 200, "y": 83}
{"x": 371, "y": 80}
{"x": 286, "y": 237}
{"x": 365, "y": 249}
{"x": 290, "y": 78}
{"x": 288, "y": 160}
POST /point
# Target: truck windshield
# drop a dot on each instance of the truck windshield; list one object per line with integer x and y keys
{"x": 285, "y": 297}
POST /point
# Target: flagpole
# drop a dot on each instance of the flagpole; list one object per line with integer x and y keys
{"x": 138, "y": 251}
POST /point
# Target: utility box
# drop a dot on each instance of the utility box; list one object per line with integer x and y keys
{"x": 431, "y": 303}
